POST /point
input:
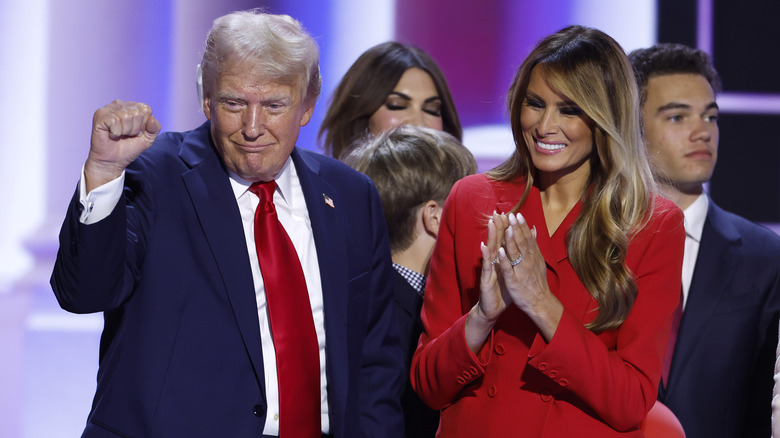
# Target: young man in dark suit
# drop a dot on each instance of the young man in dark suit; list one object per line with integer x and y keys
{"x": 414, "y": 169}
{"x": 245, "y": 283}
{"x": 720, "y": 373}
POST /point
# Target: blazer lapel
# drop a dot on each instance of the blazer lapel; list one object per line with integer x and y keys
{"x": 217, "y": 212}
{"x": 326, "y": 216}
{"x": 711, "y": 279}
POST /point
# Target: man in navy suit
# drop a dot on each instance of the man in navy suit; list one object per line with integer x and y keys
{"x": 159, "y": 236}
{"x": 720, "y": 378}
{"x": 414, "y": 169}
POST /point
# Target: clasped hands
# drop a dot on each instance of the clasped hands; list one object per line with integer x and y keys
{"x": 504, "y": 280}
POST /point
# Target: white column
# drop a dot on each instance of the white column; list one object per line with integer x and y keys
{"x": 23, "y": 86}
{"x": 23, "y": 77}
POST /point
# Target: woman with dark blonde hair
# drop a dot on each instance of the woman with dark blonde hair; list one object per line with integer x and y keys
{"x": 555, "y": 325}
{"x": 389, "y": 85}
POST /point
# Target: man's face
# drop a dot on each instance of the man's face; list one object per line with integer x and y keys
{"x": 680, "y": 120}
{"x": 254, "y": 121}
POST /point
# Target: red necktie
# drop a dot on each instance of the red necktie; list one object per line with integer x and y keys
{"x": 672, "y": 340}
{"x": 292, "y": 325}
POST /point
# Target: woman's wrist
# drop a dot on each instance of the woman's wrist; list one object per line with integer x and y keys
{"x": 478, "y": 328}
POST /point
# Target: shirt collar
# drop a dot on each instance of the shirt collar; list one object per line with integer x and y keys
{"x": 695, "y": 215}
{"x": 414, "y": 278}
{"x": 283, "y": 181}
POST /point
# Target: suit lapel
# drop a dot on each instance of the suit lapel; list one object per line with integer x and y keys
{"x": 710, "y": 283}
{"x": 217, "y": 212}
{"x": 327, "y": 218}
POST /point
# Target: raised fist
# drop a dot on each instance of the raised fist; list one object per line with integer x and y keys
{"x": 121, "y": 131}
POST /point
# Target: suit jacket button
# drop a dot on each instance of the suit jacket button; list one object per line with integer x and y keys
{"x": 563, "y": 382}
{"x": 552, "y": 374}
{"x": 499, "y": 349}
{"x": 460, "y": 380}
{"x": 492, "y": 391}
{"x": 543, "y": 366}
{"x": 259, "y": 411}
{"x": 546, "y": 395}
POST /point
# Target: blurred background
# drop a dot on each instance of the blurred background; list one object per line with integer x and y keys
{"x": 60, "y": 61}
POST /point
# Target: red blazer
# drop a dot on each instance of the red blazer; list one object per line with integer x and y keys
{"x": 580, "y": 384}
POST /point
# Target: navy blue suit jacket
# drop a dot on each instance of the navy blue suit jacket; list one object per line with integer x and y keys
{"x": 721, "y": 376}
{"x": 180, "y": 353}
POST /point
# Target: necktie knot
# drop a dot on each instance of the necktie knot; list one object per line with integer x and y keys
{"x": 264, "y": 190}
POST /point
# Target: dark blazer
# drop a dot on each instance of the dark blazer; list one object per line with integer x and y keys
{"x": 180, "y": 353}
{"x": 721, "y": 377}
{"x": 420, "y": 420}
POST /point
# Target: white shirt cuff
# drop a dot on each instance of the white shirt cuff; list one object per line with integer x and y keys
{"x": 100, "y": 202}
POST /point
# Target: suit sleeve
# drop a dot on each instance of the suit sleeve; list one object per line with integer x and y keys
{"x": 382, "y": 363}
{"x": 96, "y": 264}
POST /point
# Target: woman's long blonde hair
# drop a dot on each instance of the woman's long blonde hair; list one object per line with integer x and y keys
{"x": 591, "y": 69}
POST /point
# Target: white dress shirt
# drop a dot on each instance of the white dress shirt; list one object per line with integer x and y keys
{"x": 294, "y": 217}
{"x": 695, "y": 216}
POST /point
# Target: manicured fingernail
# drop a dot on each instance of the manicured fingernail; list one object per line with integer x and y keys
{"x": 520, "y": 218}
{"x": 534, "y": 230}
{"x": 502, "y": 252}
{"x": 509, "y": 232}
{"x": 512, "y": 219}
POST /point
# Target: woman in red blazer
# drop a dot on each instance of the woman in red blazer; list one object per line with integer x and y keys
{"x": 555, "y": 275}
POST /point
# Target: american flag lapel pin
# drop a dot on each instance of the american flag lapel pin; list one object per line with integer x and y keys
{"x": 328, "y": 201}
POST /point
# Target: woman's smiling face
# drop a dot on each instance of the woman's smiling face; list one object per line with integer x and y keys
{"x": 556, "y": 131}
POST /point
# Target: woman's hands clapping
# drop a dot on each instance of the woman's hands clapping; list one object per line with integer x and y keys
{"x": 513, "y": 272}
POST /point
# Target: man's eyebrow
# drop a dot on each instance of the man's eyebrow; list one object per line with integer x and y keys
{"x": 673, "y": 106}
{"x": 684, "y": 106}
{"x": 227, "y": 96}
{"x": 280, "y": 98}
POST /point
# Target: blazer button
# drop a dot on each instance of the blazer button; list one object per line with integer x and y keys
{"x": 473, "y": 372}
{"x": 546, "y": 395}
{"x": 563, "y": 382}
{"x": 499, "y": 349}
{"x": 543, "y": 366}
{"x": 492, "y": 391}
{"x": 460, "y": 380}
{"x": 552, "y": 374}
{"x": 259, "y": 411}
